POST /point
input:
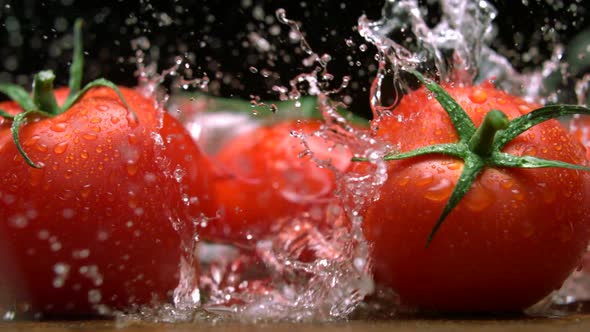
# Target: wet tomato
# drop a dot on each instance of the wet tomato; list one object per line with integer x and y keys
{"x": 94, "y": 224}
{"x": 271, "y": 174}
{"x": 511, "y": 234}
{"x": 580, "y": 127}
{"x": 97, "y": 197}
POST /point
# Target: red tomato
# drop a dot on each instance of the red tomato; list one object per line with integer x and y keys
{"x": 513, "y": 238}
{"x": 265, "y": 180}
{"x": 580, "y": 128}
{"x": 99, "y": 223}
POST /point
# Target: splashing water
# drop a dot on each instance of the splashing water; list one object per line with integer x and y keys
{"x": 268, "y": 280}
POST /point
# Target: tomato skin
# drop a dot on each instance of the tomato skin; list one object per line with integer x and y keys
{"x": 263, "y": 180}
{"x": 94, "y": 225}
{"x": 515, "y": 236}
{"x": 580, "y": 127}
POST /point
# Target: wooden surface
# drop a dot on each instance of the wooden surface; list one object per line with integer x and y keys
{"x": 571, "y": 323}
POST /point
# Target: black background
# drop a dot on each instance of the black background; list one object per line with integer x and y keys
{"x": 216, "y": 35}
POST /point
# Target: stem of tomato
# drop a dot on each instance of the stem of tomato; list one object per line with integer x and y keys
{"x": 43, "y": 96}
{"x": 482, "y": 140}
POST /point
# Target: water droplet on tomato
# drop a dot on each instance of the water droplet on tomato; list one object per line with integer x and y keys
{"x": 132, "y": 138}
{"x": 440, "y": 191}
{"x": 479, "y": 198}
{"x": 95, "y": 120}
{"x": 68, "y": 174}
{"x": 530, "y": 151}
{"x": 86, "y": 189}
{"x": 507, "y": 183}
{"x": 131, "y": 121}
{"x": 18, "y": 221}
{"x": 403, "y": 181}
{"x": 524, "y": 109}
{"x": 454, "y": 165}
{"x": 102, "y": 107}
{"x": 60, "y": 148}
{"x": 478, "y": 96}
{"x": 424, "y": 179}
{"x": 132, "y": 168}
{"x": 59, "y": 127}
{"x": 41, "y": 147}
{"x": 98, "y": 149}
{"x": 94, "y": 296}
{"x": 90, "y": 136}
{"x": 61, "y": 271}
{"x": 84, "y": 154}
{"x": 518, "y": 194}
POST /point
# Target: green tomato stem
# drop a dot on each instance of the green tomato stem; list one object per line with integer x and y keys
{"x": 43, "y": 96}
{"x": 77, "y": 66}
{"x": 482, "y": 141}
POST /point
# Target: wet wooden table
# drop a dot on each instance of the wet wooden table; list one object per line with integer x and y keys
{"x": 571, "y": 323}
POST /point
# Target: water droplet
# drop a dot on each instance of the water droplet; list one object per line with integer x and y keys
{"x": 132, "y": 168}
{"x": 507, "y": 183}
{"x": 530, "y": 151}
{"x": 424, "y": 179}
{"x": 132, "y": 138}
{"x": 524, "y": 109}
{"x": 61, "y": 271}
{"x": 478, "y": 96}
{"x": 131, "y": 121}
{"x": 518, "y": 194}
{"x": 454, "y": 165}
{"x": 60, "y": 148}
{"x": 94, "y": 296}
{"x": 68, "y": 213}
{"x": 41, "y": 147}
{"x": 115, "y": 119}
{"x": 18, "y": 221}
{"x": 90, "y": 136}
{"x": 81, "y": 254}
{"x": 59, "y": 127}
{"x": 86, "y": 190}
{"x": 84, "y": 154}
{"x": 440, "y": 191}
{"x": 404, "y": 181}
{"x": 95, "y": 120}
{"x": 179, "y": 173}
{"x": 479, "y": 198}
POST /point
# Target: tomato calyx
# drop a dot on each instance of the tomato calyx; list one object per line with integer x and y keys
{"x": 43, "y": 102}
{"x": 482, "y": 147}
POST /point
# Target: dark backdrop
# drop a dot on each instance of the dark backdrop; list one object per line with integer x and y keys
{"x": 217, "y": 36}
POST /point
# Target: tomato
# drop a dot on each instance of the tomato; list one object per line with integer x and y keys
{"x": 96, "y": 223}
{"x": 580, "y": 127}
{"x": 512, "y": 238}
{"x": 265, "y": 178}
